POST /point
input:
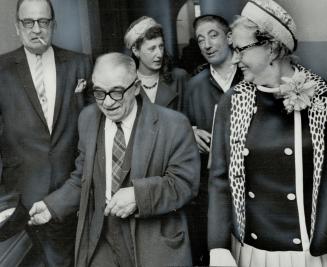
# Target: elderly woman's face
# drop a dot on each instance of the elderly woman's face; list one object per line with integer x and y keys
{"x": 251, "y": 56}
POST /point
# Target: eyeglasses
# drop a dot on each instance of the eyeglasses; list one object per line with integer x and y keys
{"x": 29, "y": 23}
{"x": 239, "y": 50}
{"x": 117, "y": 94}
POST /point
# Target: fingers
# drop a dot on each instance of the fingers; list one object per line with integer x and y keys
{"x": 39, "y": 214}
{"x": 32, "y": 210}
{"x": 203, "y": 147}
{"x": 119, "y": 210}
{"x": 203, "y": 139}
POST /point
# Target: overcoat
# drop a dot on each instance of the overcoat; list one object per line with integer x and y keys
{"x": 164, "y": 171}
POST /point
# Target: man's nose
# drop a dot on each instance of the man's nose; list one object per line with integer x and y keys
{"x": 236, "y": 58}
{"x": 107, "y": 101}
{"x": 207, "y": 43}
{"x": 36, "y": 27}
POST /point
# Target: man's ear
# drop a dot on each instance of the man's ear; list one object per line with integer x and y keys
{"x": 135, "y": 51}
{"x": 229, "y": 38}
{"x": 17, "y": 27}
{"x": 54, "y": 25}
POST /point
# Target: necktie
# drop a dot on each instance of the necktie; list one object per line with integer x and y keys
{"x": 39, "y": 86}
{"x": 118, "y": 155}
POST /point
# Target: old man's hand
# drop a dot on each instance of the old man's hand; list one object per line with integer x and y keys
{"x": 39, "y": 213}
{"x": 122, "y": 204}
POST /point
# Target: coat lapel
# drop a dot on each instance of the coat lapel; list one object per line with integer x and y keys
{"x": 90, "y": 148}
{"x": 165, "y": 94}
{"x": 61, "y": 72}
{"x": 145, "y": 136}
{"x": 243, "y": 103}
{"x": 317, "y": 122}
{"x": 28, "y": 85}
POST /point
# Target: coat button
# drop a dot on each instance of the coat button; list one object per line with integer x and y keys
{"x": 297, "y": 241}
{"x": 288, "y": 151}
{"x": 246, "y": 152}
{"x": 291, "y": 196}
{"x": 254, "y": 236}
{"x": 251, "y": 194}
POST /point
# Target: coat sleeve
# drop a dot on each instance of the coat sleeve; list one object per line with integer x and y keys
{"x": 65, "y": 200}
{"x": 220, "y": 201}
{"x": 157, "y": 195}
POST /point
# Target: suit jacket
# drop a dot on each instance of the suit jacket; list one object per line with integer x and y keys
{"x": 201, "y": 96}
{"x": 36, "y": 162}
{"x": 171, "y": 94}
{"x": 164, "y": 171}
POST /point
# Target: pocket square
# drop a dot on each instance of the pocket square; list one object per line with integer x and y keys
{"x": 81, "y": 84}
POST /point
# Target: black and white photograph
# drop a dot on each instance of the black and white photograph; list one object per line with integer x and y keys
{"x": 163, "y": 133}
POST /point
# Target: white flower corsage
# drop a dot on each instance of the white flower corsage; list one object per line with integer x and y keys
{"x": 297, "y": 92}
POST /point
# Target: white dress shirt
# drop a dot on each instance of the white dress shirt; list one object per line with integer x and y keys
{"x": 110, "y": 129}
{"x": 50, "y": 79}
{"x": 224, "y": 83}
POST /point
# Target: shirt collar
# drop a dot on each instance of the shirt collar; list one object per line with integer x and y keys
{"x": 46, "y": 54}
{"x": 224, "y": 83}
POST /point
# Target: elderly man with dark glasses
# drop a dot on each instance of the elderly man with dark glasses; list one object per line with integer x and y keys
{"x": 138, "y": 166}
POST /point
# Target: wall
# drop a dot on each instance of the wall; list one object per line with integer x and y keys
{"x": 184, "y": 26}
{"x": 311, "y": 20}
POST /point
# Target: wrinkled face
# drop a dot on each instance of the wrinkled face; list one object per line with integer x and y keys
{"x": 35, "y": 10}
{"x": 150, "y": 54}
{"x": 253, "y": 61}
{"x": 213, "y": 42}
{"x": 118, "y": 79}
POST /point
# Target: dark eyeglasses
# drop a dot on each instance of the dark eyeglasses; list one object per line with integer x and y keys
{"x": 238, "y": 50}
{"x": 29, "y": 23}
{"x": 116, "y": 94}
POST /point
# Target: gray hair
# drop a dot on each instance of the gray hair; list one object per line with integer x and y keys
{"x": 278, "y": 47}
{"x": 116, "y": 60}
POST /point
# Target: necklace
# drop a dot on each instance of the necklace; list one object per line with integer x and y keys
{"x": 149, "y": 87}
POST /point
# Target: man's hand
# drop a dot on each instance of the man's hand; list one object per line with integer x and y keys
{"x": 39, "y": 214}
{"x": 122, "y": 204}
{"x": 203, "y": 139}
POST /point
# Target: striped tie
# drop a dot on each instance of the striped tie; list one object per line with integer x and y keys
{"x": 39, "y": 86}
{"x": 118, "y": 155}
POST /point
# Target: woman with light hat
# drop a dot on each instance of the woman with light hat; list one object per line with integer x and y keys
{"x": 268, "y": 180}
{"x": 161, "y": 83}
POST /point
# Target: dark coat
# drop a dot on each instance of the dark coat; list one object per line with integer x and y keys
{"x": 165, "y": 175}
{"x": 35, "y": 162}
{"x": 201, "y": 96}
{"x": 170, "y": 94}
{"x": 272, "y": 217}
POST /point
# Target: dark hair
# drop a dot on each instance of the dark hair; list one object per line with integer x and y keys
{"x": 152, "y": 33}
{"x": 20, "y": 2}
{"x": 212, "y": 18}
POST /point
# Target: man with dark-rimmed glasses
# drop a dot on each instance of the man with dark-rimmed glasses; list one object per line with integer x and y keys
{"x": 137, "y": 168}
{"x": 41, "y": 96}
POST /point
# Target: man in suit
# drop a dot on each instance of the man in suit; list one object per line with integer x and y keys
{"x": 137, "y": 168}
{"x": 40, "y": 99}
{"x": 203, "y": 92}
